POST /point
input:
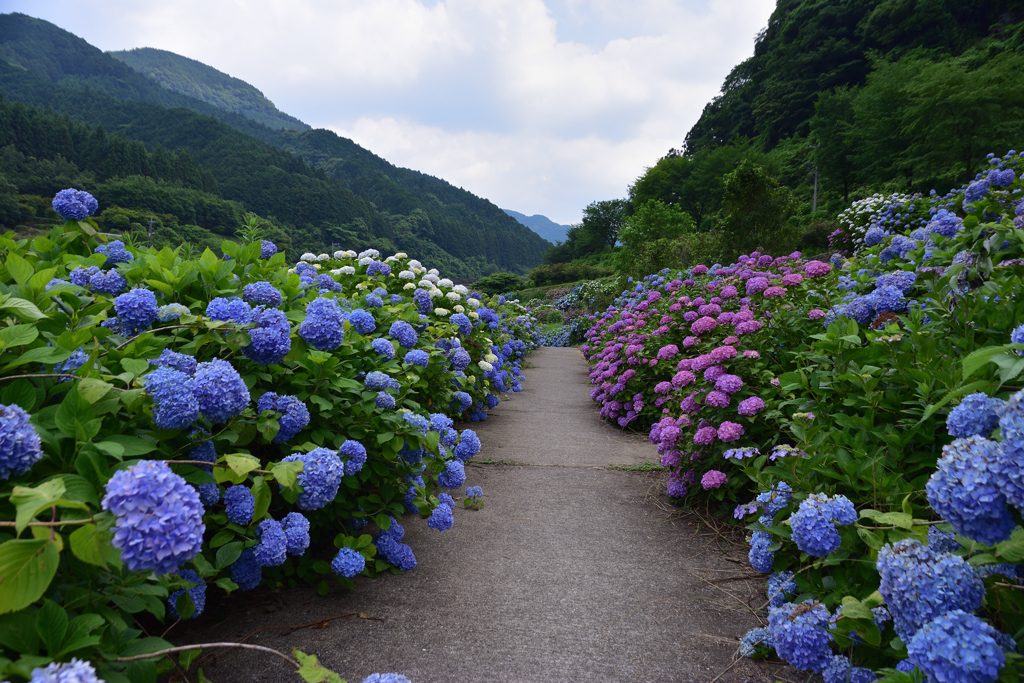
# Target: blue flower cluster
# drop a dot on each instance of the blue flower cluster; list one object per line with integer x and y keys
{"x": 384, "y": 401}
{"x": 957, "y": 647}
{"x": 246, "y": 571}
{"x": 839, "y": 670}
{"x": 182, "y": 362}
{"x": 378, "y": 268}
{"x": 115, "y": 253}
{"x": 814, "y": 523}
{"x": 174, "y": 401}
{"x": 474, "y": 491}
{"x": 384, "y": 348}
{"x": 348, "y": 563}
{"x": 159, "y": 523}
{"x": 780, "y": 586}
{"x": 240, "y": 504}
{"x": 975, "y": 416}
{"x": 469, "y": 445}
{"x": 197, "y": 594}
{"x": 460, "y": 359}
{"x": 296, "y": 533}
{"x": 392, "y": 550}
{"x": 421, "y": 298}
{"x": 919, "y": 584}
{"x": 294, "y": 414}
{"x": 386, "y": 678}
{"x": 454, "y": 475}
{"x": 323, "y": 326}
{"x": 404, "y": 333}
{"x": 754, "y": 638}
{"x": 262, "y": 293}
{"x": 72, "y": 204}
{"x": 269, "y": 335}
{"x": 75, "y": 671}
{"x": 229, "y": 309}
{"x": 364, "y": 323}
{"x": 267, "y": 249}
{"x": 272, "y": 549}
{"x": 355, "y": 456}
{"x": 461, "y": 401}
{"x": 20, "y": 446}
{"x": 220, "y": 391}
{"x": 320, "y": 477}
{"x": 136, "y": 310}
{"x": 801, "y": 634}
{"x": 462, "y": 321}
{"x": 441, "y": 518}
{"x": 417, "y": 357}
{"x": 378, "y": 381}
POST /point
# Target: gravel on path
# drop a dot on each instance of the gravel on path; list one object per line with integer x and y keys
{"x": 570, "y": 573}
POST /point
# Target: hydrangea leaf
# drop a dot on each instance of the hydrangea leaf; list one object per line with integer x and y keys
{"x": 26, "y": 310}
{"x": 92, "y": 389}
{"x": 285, "y": 473}
{"x": 312, "y": 672}
{"x": 51, "y": 625}
{"x": 26, "y": 567}
{"x": 20, "y": 269}
{"x": 18, "y": 335}
{"x": 91, "y": 545}
{"x": 29, "y": 501}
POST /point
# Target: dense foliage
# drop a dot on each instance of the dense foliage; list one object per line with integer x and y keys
{"x": 866, "y": 413}
{"x": 324, "y": 191}
{"x": 170, "y": 425}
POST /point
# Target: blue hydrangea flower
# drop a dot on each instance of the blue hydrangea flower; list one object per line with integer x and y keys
{"x": 441, "y": 518}
{"x": 395, "y": 552}
{"x": 296, "y": 533}
{"x": 775, "y": 499}
{"x": 76, "y": 360}
{"x": 75, "y": 671}
{"x": 417, "y": 422}
{"x": 839, "y": 670}
{"x": 72, "y": 204}
{"x": 115, "y": 253}
{"x": 107, "y": 282}
{"x": 378, "y": 268}
{"x": 169, "y": 312}
{"x": 377, "y": 381}
{"x": 902, "y": 280}
{"x": 20, "y": 446}
{"x": 761, "y": 558}
{"x": 888, "y": 298}
{"x": 957, "y": 647}
{"x": 396, "y": 299}
{"x": 320, "y": 477}
{"x": 294, "y": 414}
{"x": 945, "y": 223}
{"x": 814, "y": 523}
{"x": 975, "y": 191}
{"x": 384, "y": 348}
{"x": 209, "y": 494}
{"x": 756, "y": 637}
{"x": 269, "y": 335}
{"x": 1011, "y": 427}
{"x": 384, "y": 401}
{"x": 469, "y": 445}
{"x": 196, "y": 593}
{"x": 326, "y": 283}
{"x": 362, "y": 322}
{"x": 386, "y": 678}
{"x": 159, "y": 523}
{"x": 454, "y": 475}
{"x": 964, "y": 489}
{"x": 82, "y": 277}
{"x": 220, "y": 390}
{"x": 262, "y": 293}
{"x": 230, "y": 309}
{"x": 449, "y": 436}
{"x": 240, "y": 504}
{"x": 174, "y": 401}
{"x": 462, "y": 321}
{"x": 348, "y": 563}
{"x": 440, "y": 422}
{"x": 492, "y": 401}
{"x": 474, "y": 491}
{"x": 417, "y": 357}
{"x": 1017, "y": 337}
{"x": 374, "y": 301}
{"x": 919, "y": 584}
{"x": 404, "y": 333}
{"x": 975, "y": 416}
{"x": 780, "y": 586}
{"x": 355, "y": 456}
{"x": 422, "y": 300}
{"x": 323, "y": 327}
{"x": 801, "y": 634}
{"x": 136, "y": 310}
{"x": 460, "y": 359}
{"x": 461, "y": 400}
{"x": 267, "y": 249}
{"x": 942, "y": 541}
{"x": 272, "y": 549}
{"x": 246, "y": 571}
{"x": 181, "y": 362}
{"x": 874, "y": 235}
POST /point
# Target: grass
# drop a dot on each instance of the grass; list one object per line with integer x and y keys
{"x": 642, "y": 467}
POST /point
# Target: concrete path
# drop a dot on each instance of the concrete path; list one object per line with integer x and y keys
{"x": 570, "y": 573}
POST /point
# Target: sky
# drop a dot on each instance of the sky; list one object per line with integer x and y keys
{"x": 541, "y": 106}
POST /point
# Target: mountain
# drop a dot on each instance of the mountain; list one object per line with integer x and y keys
{"x": 202, "y": 82}
{"x": 322, "y": 191}
{"x": 542, "y": 225}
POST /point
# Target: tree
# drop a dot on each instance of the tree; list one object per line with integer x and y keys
{"x": 830, "y": 127}
{"x": 651, "y": 238}
{"x": 756, "y": 209}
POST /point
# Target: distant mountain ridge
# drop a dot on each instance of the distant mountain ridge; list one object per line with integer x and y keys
{"x": 195, "y": 79}
{"x": 542, "y": 225}
{"x": 323, "y": 190}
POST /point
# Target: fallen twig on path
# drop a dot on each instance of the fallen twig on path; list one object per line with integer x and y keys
{"x": 734, "y": 597}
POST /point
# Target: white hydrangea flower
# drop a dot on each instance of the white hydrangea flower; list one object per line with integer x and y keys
{"x": 452, "y": 296}
{"x": 446, "y": 283}
{"x": 441, "y": 311}
{"x": 432, "y": 278}
{"x": 420, "y": 270}
{"x": 401, "y": 255}
{"x": 426, "y": 284}
{"x": 485, "y": 366}
{"x": 390, "y": 259}
{"x": 365, "y": 260}
{"x": 317, "y": 266}
{"x": 473, "y": 303}
{"x": 362, "y": 285}
{"x": 348, "y": 270}
{"x": 336, "y": 271}
{"x": 461, "y": 289}
{"x": 471, "y": 379}
{"x": 323, "y": 257}
{"x": 291, "y": 270}
{"x": 339, "y": 254}
{"x": 308, "y": 257}
{"x": 459, "y": 308}
{"x": 434, "y": 271}
{"x": 415, "y": 265}
{"x": 435, "y": 293}
{"x": 407, "y": 275}
{"x": 348, "y": 254}
{"x": 474, "y": 315}
{"x": 409, "y": 286}
{"x": 369, "y": 252}
{"x": 491, "y": 358}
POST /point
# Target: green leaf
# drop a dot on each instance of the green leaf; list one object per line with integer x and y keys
{"x": 855, "y": 610}
{"x": 871, "y": 538}
{"x": 25, "y": 310}
{"x": 311, "y": 671}
{"x": 47, "y": 355}
{"x": 29, "y": 501}
{"x": 73, "y": 409}
{"x": 898, "y": 519}
{"x": 26, "y": 569}
{"x": 92, "y": 389}
{"x": 18, "y": 335}
{"x": 979, "y": 359}
{"x": 185, "y": 606}
{"x": 51, "y": 625}
{"x": 136, "y": 366}
{"x": 186, "y": 658}
{"x": 227, "y": 555}
{"x": 133, "y": 445}
{"x": 20, "y": 269}
{"x": 143, "y": 646}
{"x": 78, "y": 632}
{"x": 286, "y": 473}
{"x": 241, "y": 464}
{"x": 91, "y": 545}
{"x": 385, "y": 437}
{"x": 1011, "y": 551}
{"x": 261, "y": 492}
{"x": 38, "y": 281}
{"x": 221, "y": 537}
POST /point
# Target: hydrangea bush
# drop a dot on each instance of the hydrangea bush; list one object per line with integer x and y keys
{"x": 176, "y": 427}
{"x": 873, "y": 436}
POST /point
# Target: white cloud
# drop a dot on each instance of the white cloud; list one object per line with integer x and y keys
{"x": 539, "y": 107}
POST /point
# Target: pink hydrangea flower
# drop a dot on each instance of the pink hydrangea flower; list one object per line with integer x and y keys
{"x": 717, "y": 399}
{"x": 662, "y": 387}
{"x": 709, "y": 309}
{"x": 775, "y": 292}
{"x": 675, "y": 307}
{"x": 728, "y": 292}
{"x": 756, "y": 285}
{"x": 690, "y": 316}
{"x": 722, "y": 353}
{"x": 748, "y": 327}
{"x": 705, "y": 436}
{"x": 730, "y": 384}
{"x": 815, "y": 314}
{"x": 775, "y": 381}
{"x": 730, "y": 431}
{"x": 817, "y": 268}
{"x": 683, "y": 378}
{"x": 731, "y": 340}
{"x": 703, "y": 325}
{"x": 668, "y": 351}
{"x": 712, "y": 479}
{"x": 671, "y": 458}
{"x": 713, "y": 373}
{"x": 751, "y": 354}
{"x": 690, "y": 341}
{"x": 792, "y": 279}
{"x": 700, "y": 270}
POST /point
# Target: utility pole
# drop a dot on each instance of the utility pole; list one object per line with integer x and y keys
{"x": 814, "y": 201}
{"x": 151, "y": 231}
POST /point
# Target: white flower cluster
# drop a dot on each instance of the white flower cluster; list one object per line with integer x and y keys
{"x": 473, "y": 303}
{"x": 452, "y": 296}
{"x": 369, "y": 253}
{"x": 863, "y": 213}
{"x": 365, "y": 260}
{"x": 323, "y": 257}
{"x": 308, "y": 257}
{"x": 409, "y": 286}
{"x": 446, "y": 283}
{"x": 441, "y": 311}
{"x": 407, "y": 275}
{"x": 461, "y": 289}
{"x": 485, "y": 366}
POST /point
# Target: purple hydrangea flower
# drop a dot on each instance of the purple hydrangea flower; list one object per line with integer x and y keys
{"x": 267, "y": 249}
